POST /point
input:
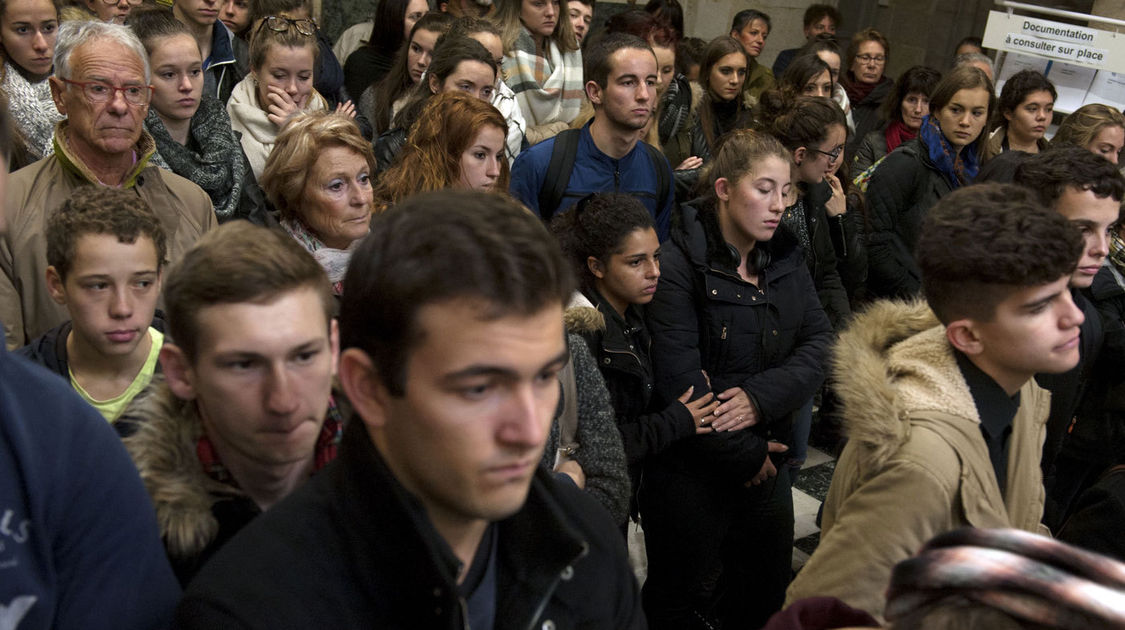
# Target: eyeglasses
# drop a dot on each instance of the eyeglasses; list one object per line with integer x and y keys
{"x": 280, "y": 24}
{"x": 114, "y": 2}
{"x": 871, "y": 58}
{"x": 100, "y": 92}
{"x": 832, "y": 155}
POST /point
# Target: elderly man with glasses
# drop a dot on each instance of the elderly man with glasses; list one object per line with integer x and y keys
{"x": 101, "y": 85}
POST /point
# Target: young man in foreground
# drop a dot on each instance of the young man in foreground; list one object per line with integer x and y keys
{"x": 945, "y": 423}
{"x": 244, "y": 413}
{"x": 437, "y": 513}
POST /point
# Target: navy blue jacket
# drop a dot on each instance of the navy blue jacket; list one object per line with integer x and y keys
{"x": 595, "y": 171}
{"x": 79, "y": 545}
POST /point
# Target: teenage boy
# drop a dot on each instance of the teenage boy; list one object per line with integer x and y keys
{"x": 79, "y": 548}
{"x": 105, "y": 254}
{"x": 944, "y": 420}
{"x": 606, "y": 155}
{"x": 818, "y": 19}
{"x": 581, "y": 14}
{"x": 1087, "y": 190}
{"x": 437, "y": 514}
{"x": 216, "y": 44}
{"x": 244, "y": 413}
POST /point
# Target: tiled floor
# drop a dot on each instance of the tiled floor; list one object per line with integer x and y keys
{"x": 808, "y": 493}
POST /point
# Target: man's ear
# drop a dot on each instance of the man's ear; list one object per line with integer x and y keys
{"x": 57, "y": 89}
{"x": 722, "y": 189}
{"x": 178, "y": 372}
{"x": 595, "y": 266}
{"x": 962, "y": 335}
{"x": 434, "y": 83}
{"x": 55, "y": 286}
{"x": 364, "y": 388}
{"x": 594, "y": 92}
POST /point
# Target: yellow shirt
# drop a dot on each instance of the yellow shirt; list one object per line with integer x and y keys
{"x": 111, "y": 409}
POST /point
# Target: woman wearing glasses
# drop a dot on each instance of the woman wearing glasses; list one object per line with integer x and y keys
{"x": 105, "y": 10}
{"x": 193, "y": 133}
{"x": 865, "y": 83}
{"x": 280, "y": 84}
{"x": 28, "y": 29}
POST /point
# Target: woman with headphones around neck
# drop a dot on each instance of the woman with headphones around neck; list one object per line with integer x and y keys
{"x": 735, "y": 314}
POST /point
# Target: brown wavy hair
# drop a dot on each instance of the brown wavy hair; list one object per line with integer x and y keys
{"x": 431, "y": 159}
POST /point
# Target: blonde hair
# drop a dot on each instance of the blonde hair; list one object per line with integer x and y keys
{"x": 263, "y": 37}
{"x": 738, "y": 153}
{"x": 298, "y": 148}
{"x": 507, "y": 15}
{"x": 1081, "y": 127}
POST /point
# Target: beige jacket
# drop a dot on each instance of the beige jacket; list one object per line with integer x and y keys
{"x": 916, "y": 464}
{"x": 34, "y": 192}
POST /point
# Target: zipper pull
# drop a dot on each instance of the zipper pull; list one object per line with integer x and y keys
{"x": 724, "y": 333}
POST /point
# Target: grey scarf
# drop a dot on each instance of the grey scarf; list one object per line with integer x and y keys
{"x": 219, "y": 168}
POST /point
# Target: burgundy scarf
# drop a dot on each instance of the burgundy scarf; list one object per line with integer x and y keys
{"x": 857, "y": 90}
{"x": 897, "y": 133}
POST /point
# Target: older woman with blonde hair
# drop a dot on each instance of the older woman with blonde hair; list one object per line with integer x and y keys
{"x": 319, "y": 179}
{"x": 457, "y": 142}
{"x": 1096, "y": 127}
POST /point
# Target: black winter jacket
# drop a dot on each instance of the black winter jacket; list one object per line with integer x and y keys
{"x": 387, "y": 147}
{"x": 49, "y": 349}
{"x": 901, "y": 191}
{"x": 352, "y": 548}
{"x": 866, "y": 113}
{"x": 622, "y": 350}
{"x": 822, "y": 261}
{"x": 773, "y": 342}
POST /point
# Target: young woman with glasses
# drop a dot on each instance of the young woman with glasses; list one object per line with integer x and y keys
{"x": 28, "y": 29}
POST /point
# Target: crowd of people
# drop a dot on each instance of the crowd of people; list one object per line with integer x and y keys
{"x": 406, "y": 329}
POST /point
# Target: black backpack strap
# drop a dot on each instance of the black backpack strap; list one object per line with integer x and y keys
{"x": 658, "y": 162}
{"x": 558, "y": 173}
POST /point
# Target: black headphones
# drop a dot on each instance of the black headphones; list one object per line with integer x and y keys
{"x": 756, "y": 262}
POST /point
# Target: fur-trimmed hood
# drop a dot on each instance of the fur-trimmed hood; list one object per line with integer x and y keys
{"x": 892, "y": 362}
{"x": 163, "y": 449}
{"x": 583, "y": 318}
